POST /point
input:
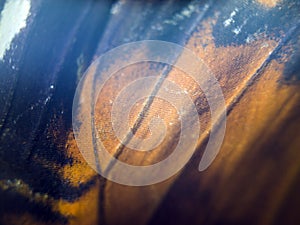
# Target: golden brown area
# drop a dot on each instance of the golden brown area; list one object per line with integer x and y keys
{"x": 258, "y": 161}
{"x": 269, "y": 3}
{"x": 253, "y": 121}
{"x": 103, "y": 117}
{"x": 251, "y": 178}
{"x": 79, "y": 172}
{"x": 83, "y": 211}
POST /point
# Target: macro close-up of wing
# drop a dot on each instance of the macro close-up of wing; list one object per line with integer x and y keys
{"x": 56, "y": 105}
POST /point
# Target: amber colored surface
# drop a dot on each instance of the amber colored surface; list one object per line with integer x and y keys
{"x": 254, "y": 172}
{"x": 235, "y": 68}
{"x": 253, "y": 180}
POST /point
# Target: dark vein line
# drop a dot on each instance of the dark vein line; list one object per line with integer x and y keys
{"x": 157, "y": 86}
{"x": 254, "y": 77}
{"x": 142, "y": 114}
{"x": 264, "y": 65}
